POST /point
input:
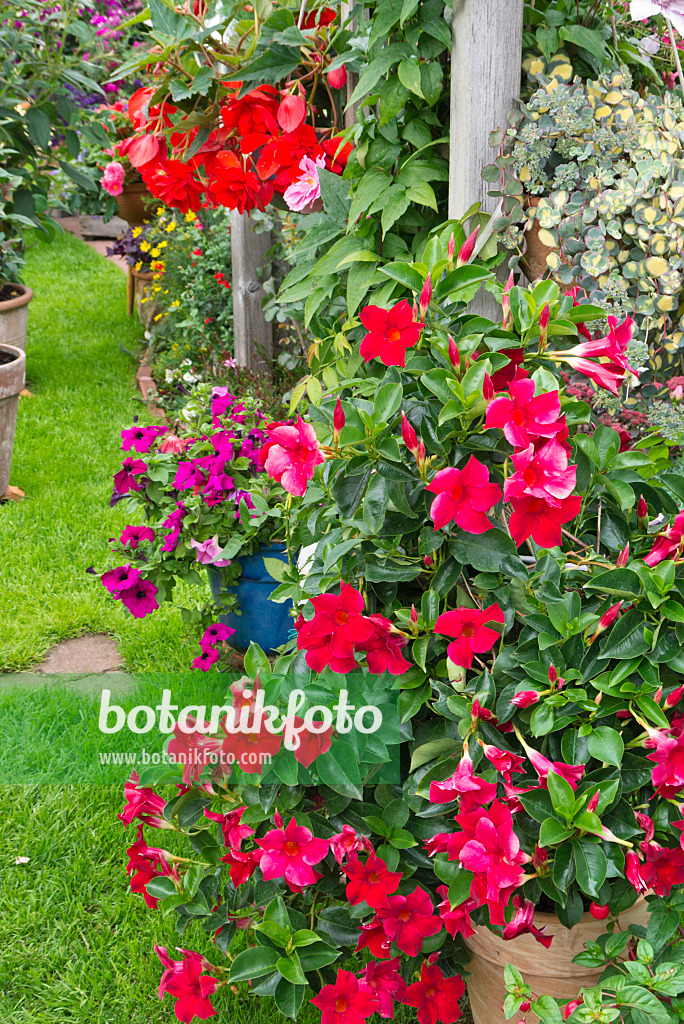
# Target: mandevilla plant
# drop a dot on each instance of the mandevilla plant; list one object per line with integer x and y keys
{"x": 510, "y": 574}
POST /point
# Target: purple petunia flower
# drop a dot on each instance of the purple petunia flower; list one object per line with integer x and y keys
{"x": 125, "y": 479}
{"x": 119, "y": 579}
{"x": 140, "y": 599}
{"x": 132, "y": 535}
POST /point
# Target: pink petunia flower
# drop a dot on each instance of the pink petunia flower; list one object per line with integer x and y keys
{"x": 208, "y": 552}
{"x": 131, "y": 536}
{"x": 464, "y": 496}
{"x": 140, "y": 599}
{"x": 123, "y": 577}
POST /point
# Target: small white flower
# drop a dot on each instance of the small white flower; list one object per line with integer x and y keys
{"x": 21, "y": 860}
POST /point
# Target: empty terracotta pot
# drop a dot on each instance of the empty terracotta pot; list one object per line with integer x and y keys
{"x": 548, "y": 971}
{"x": 14, "y": 316}
{"x": 12, "y": 377}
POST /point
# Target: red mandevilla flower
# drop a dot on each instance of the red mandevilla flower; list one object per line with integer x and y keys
{"x": 524, "y": 417}
{"x": 464, "y": 496}
{"x": 470, "y": 630}
{"x": 371, "y": 882}
{"x": 435, "y": 997}
{"x": 409, "y": 920}
{"x": 290, "y": 853}
{"x": 345, "y": 1002}
{"x": 337, "y": 626}
{"x": 542, "y": 473}
{"x": 390, "y": 333}
{"x": 185, "y": 981}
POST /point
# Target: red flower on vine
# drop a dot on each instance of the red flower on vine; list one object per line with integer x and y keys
{"x": 390, "y": 333}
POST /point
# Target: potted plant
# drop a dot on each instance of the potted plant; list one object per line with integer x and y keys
{"x": 208, "y": 505}
{"x": 487, "y": 556}
{"x": 121, "y": 177}
{"x": 14, "y": 296}
{"x": 140, "y": 255}
{"x": 12, "y": 377}
{"x": 596, "y": 168}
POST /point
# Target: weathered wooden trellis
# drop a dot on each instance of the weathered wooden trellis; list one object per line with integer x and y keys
{"x": 485, "y": 80}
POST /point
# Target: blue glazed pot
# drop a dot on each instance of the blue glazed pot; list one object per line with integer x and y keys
{"x": 261, "y": 621}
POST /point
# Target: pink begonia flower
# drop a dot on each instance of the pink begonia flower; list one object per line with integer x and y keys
{"x": 291, "y": 455}
{"x": 290, "y": 853}
{"x": 307, "y": 189}
{"x": 541, "y": 474}
{"x": 464, "y": 496}
{"x": 462, "y": 781}
{"x": 113, "y": 178}
{"x": 522, "y": 923}
{"x": 672, "y": 9}
{"x": 208, "y": 551}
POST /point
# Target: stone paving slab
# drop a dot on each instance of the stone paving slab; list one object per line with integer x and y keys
{"x": 90, "y": 654}
{"x": 120, "y": 683}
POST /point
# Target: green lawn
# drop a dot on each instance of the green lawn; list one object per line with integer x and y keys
{"x": 67, "y": 449}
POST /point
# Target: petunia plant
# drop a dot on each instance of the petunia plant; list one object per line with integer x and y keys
{"x": 508, "y": 572}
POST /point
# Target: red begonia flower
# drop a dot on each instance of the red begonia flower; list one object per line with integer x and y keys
{"x": 472, "y": 635}
{"x": 291, "y": 113}
{"x": 337, "y": 151}
{"x": 390, "y": 333}
{"x": 464, "y": 496}
{"x": 175, "y": 183}
{"x": 236, "y": 187}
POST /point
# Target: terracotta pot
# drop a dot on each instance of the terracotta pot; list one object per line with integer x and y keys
{"x": 548, "y": 971}
{"x": 131, "y": 205}
{"x": 12, "y": 377}
{"x": 534, "y": 260}
{"x": 14, "y": 317}
{"x": 145, "y": 306}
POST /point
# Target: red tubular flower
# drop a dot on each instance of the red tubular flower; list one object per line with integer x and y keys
{"x": 663, "y": 869}
{"x": 345, "y": 844}
{"x": 145, "y": 863}
{"x": 451, "y": 249}
{"x": 234, "y": 832}
{"x": 506, "y": 303}
{"x": 345, "y": 1002}
{"x": 142, "y": 805}
{"x": 523, "y": 417}
{"x": 608, "y": 618}
{"x": 241, "y": 865}
{"x": 384, "y": 983}
{"x": 383, "y": 648}
{"x": 464, "y": 496}
{"x": 544, "y": 318}
{"x": 291, "y": 455}
{"x": 572, "y": 773}
{"x": 514, "y": 370}
{"x": 337, "y": 627}
{"x": 623, "y": 558}
{"x": 456, "y": 921}
{"x": 409, "y": 920}
{"x": 525, "y": 698}
{"x": 338, "y": 421}
{"x": 312, "y": 743}
{"x": 371, "y": 882}
{"x": 391, "y": 333}
{"x": 466, "y": 251}
{"x": 185, "y": 981}
{"x": 435, "y": 997}
{"x": 234, "y": 186}
{"x": 668, "y": 755}
{"x": 462, "y": 781}
{"x": 504, "y": 762}
{"x": 535, "y": 518}
{"x": 471, "y": 633}
{"x": 598, "y": 911}
{"x": 290, "y": 853}
{"x": 250, "y": 750}
{"x": 194, "y": 750}
{"x": 454, "y": 354}
{"x": 542, "y": 473}
{"x": 642, "y": 513}
{"x": 668, "y": 545}
{"x": 522, "y": 923}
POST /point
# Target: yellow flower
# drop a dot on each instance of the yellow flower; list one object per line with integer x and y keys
{"x": 138, "y": 265}
{"x": 190, "y": 216}
{"x": 158, "y": 317}
{"x": 162, "y": 244}
{"x": 171, "y": 226}
{"x": 175, "y": 304}
{"x": 145, "y": 247}
{"x": 155, "y": 252}
{"x": 136, "y": 232}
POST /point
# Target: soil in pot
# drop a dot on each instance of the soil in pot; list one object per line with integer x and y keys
{"x": 9, "y": 291}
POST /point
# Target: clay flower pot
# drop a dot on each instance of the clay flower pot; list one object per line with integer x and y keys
{"x": 548, "y": 971}
{"x": 14, "y": 315}
{"x": 145, "y": 306}
{"x": 131, "y": 205}
{"x": 12, "y": 377}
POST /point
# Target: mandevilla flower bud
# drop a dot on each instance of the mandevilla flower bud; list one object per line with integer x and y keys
{"x": 451, "y": 249}
{"x": 674, "y": 698}
{"x": 487, "y": 388}
{"x": 593, "y": 803}
{"x": 598, "y": 911}
{"x": 408, "y": 435}
{"x": 524, "y": 698}
{"x": 338, "y": 422}
{"x": 428, "y": 560}
{"x": 466, "y": 250}
{"x": 544, "y": 318}
{"x": 506, "y": 302}
{"x": 425, "y": 297}
{"x": 414, "y": 615}
{"x": 608, "y": 618}
{"x": 454, "y": 355}
{"x": 642, "y": 513}
{"x": 623, "y": 557}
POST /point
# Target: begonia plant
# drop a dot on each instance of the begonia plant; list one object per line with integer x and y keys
{"x": 508, "y": 572}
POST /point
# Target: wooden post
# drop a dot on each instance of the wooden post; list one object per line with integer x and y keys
{"x": 485, "y": 81}
{"x": 253, "y": 333}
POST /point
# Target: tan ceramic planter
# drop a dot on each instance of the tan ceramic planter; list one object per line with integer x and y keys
{"x": 548, "y": 971}
{"x": 12, "y": 377}
{"x": 14, "y": 317}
